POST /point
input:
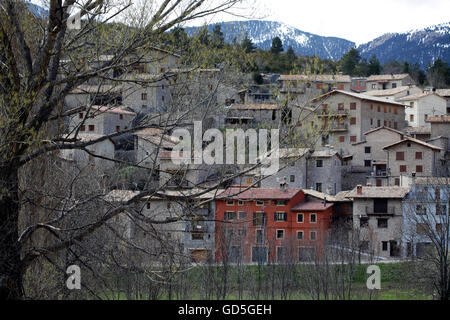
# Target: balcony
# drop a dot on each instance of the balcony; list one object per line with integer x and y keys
{"x": 332, "y": 113}
{"x": 379, "y": 174}
{"x": 371, "y": 211}
{"x": 197, "y": 228}
{"x": 339, "y": 127}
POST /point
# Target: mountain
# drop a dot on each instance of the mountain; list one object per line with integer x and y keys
{"x": 262, "y": 33}
{"x": 421, "y": 46}
{"x": 38, "y": 11}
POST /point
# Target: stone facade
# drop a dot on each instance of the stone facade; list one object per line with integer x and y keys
{"x": 422, "y": 106}
{"x": 388, "y": 81}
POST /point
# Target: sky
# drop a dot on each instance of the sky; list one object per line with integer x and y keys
{"x": 359, "y": 21}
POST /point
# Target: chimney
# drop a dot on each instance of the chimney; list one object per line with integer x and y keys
{"x": 359, "y": 189}
{"x": 324, "y": 202}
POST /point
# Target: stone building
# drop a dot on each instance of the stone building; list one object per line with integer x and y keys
{"x": 410, "y": 156}
{"x": 346, "y": 116}
{"x": 101, "y": 120}
{"x": 254, "y": 115}
{"x": 324, "y": 171}
{"x": 396, "y": 93}
{"x": 388, "y": 81}
{"x": 421, "y": 106}
{"x": 378, "y": 215}
{"x": 445, "y": 93}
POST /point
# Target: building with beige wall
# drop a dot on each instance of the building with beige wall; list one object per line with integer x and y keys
{"x": 394, "y": 94}
{"x": 421, "y": 106}
{"x": 445, "y": 93}
{"x": 378, "y": 215}
{"x": 388, "y": 81}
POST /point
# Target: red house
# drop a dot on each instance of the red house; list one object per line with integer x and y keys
{"x": 276, "y": 225}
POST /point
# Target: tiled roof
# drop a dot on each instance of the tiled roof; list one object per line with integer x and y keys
{"x": 158, "y": 137}
{"x": 312, "y": 206}
{"x": 382, "y": 77}
{"x": 379, "y": 192}
{"x": 259, "y": 194}
{"x": 387, "y": 92}
{"x": 120, "y": 195}
{"x": 103, "y": 88}
{"x": 318, "y": 77}
{"x": 118, "y": 110}
{"x": 409, "y": 139}
{"x": 443, "y": 92}
{"x": 325, "y": 153}
{"x": 418, "y": 130}
{"x": 386, "y": 128}
{"x": 418, "y": 96}
{"x": 438, "y": 119}
{"x": 359, "y": 96}
{"x": 255, "y": 107}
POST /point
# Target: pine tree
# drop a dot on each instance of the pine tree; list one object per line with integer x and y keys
{"x": 277, "y": 46}
{"x": 374, "y": 66}
{"x": 217, "y": 37}
{"x": 247, "y": 44}
{"x": 349, "y": 62}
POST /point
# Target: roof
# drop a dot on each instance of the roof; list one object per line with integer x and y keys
{"x": 379, "y": 192}
{"x": 418, "y": 130}
{"x": 387, "y": 92}
{"x": 387, "y": 77}
{"x": 312, "y": 206}
{"x": 85, "y": 137}
{"x": 417, "y": 141}
{"x": 418, "y": 96}
{"x": 118, "y": 110}
{"x": 167, "y": 155}
{"x": 443, "y": 92}
{"x": 257, "y": 193}
{"x": 386, "y": 128}
{"x": 318, "y": 194}
{"x": 120, "y": 195}
{"x": 103, "y": 88}
{"x": 255, "y": 107}
{"x": 438, "y": 119}
{"x": 195, "y": 192}
{"x": 325, "y": 153}
{"x": 318, "y": 77}
{"x": 157, "y": 136}
{"x": 287, "y": 153}
{"x": 342, "y": 196}
{"x": 359, "y": 96}
{"x": 431, "y": 181}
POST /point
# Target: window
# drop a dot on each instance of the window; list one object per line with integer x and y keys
{"x": 367, "y": 149}
{"x": 385, "y": 109}
{"x": 363, "y": 222}
{"x": 439, "y": 227}
{"x": 230, "y": 215}
{"x": 421, "y": 210}
{"x": 143, "y": 96}
{"x": 379, "y": 123}
{"x": 280, "y": 234}
{"x": 259, "y": 203}
{"x": 319, "y": 163}
{"x": 240, "y": 203}
{"x": 374, "y": 86}
{"x": 249, "y": 180}
{"x": 169, "y": 205}
{"x": 394, "y": 85}
{"x": 312, "y": 235}
{"x": 197, "y": 236}
{"x": 441, "y": 209}
{"x": 371, "y": 121}
{"x": 81, "y": 115}
{"x": 313, "y": 218}
{"x": 421, "y": 228}
{"x": 390, "y": 109}
{"x": 395, "y": 110}
{"x": 91, "y": 127}
{"x": 340, "y": 86}
{"x": 230, "y": 203}
{"x": 300, "y": 218}
{"x": 340, "y": 106}
{"x": 148, "y": 205}
{"x": 382, "y": 223}
{"x": 259, "y": 254}
{"x": 299, "y": 235}
{"x": 319, "y": 187}
{"x": 395, "y": 125}
{"x": 342, "y": 139}
{"x": 390, "y": 124}
{"x": 419, "y": 168}
{"x": 379, "y": 108}
{"x": 402, "y": 168}
{"x": 352, "y": 106}
{"x": 399, "y": 156}
{"x": 83, "y": 128}
{"x": 121, "y": 116}
{"x": 371, "y": 107}
{"x": 397, "y": 181}
{"x": 259, "y": 218}
{"x": 292, "y": 178}
{"x": 385, "y": 245}
{"x": 259, "y": 236}
{"x": 280, "y": 216}
{"x": 281, "y": 202}
{"x": 385, "y": 123}
{"x": 352, "y": 120}
{"x": 367, "y": 163}
{"x": 242, "y": 215}
{"x": 418, "y": 155}
{"x": 411, "y": 118}
{"x": 352, "y": 138}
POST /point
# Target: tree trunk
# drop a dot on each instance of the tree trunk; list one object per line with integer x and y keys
{"x": 11, "y": 267}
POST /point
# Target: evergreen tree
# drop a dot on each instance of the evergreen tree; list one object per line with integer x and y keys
{"x": 349, "y": 62}
{"x": 217, "y": 37}
{"x": 277, "y": 46}
{"x": 290, "y": 55}
{"x": 247, "y": 44}
{"x": 439, "y": 74}
{"x": 203, "y": 36}
{"x": 374, "y": 66}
